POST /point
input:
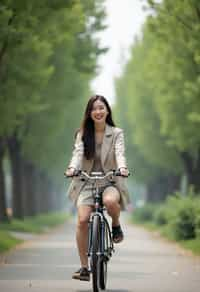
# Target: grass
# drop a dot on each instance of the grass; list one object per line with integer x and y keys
{"x": 7, "y": 241}
{"x": 193, "y": 245}
{"x": 37, "y": 224}
{"x": 165, "y": 231}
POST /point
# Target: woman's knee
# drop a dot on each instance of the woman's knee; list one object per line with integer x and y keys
{"x": 83, "y": 216}
{"x": 110, "y": 201}
{"x": 111, "y": 197}
{"x": 82, "y": 221}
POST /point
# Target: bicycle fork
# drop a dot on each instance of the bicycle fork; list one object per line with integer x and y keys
{"x": 102, "y": 230}
{"x": 105, "y": 249}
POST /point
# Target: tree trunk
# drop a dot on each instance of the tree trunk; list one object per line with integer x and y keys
{"x": 59, "y": 199}
{"x": 163, "y": 186}
{"x": 38, "y": 190}
{"x": 192, "y": 169}
{"x": 30, "y": 189}
{"x": 52, "y": 197}
{"x": 3, "y": 213}
{"x": 16, "y": 167}
{"x": 4, "y": 46}
{"x": 43, "y": 193}
{"x": 172, "y": 183}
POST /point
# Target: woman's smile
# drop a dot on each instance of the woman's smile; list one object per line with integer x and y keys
{"x": 99, "y": 117}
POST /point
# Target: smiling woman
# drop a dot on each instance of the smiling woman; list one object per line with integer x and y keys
{"x": 97, "y": 114}
{"x": 99, "y": 111}
{"x": 99, "y": 147}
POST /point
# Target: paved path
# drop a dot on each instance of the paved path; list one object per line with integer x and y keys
{"x": 142, "y": 263}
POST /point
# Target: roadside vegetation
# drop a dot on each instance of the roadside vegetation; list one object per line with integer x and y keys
{"x": 177, "y": 219}
{"x": 7, "y": 241}
{"x": 158, "y": 106}
{"x": 48, "y": 57}
{"x": 37, "y": 224}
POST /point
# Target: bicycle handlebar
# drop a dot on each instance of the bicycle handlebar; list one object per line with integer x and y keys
{"x": 96, "y": 175}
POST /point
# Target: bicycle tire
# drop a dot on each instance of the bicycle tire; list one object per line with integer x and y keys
{"x": 103, "y": 262}
{"x": 95, "y": 258}
{"x": 103, "y": 274}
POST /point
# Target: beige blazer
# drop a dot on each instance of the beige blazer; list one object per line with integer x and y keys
{"x": 112, "y": 157}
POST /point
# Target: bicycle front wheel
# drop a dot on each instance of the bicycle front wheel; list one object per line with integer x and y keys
{"x": 103, "y": 274}
{"x": 95, "y": 258}
{"x": 104, "y": 259}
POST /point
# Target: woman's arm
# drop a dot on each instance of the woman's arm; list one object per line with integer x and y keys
{"x": 77, "y": 154}
{"x": 120, "y": 151}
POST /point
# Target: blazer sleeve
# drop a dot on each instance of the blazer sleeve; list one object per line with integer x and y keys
{"x": 77, "y": 154}
{"x": 120, "y": 150}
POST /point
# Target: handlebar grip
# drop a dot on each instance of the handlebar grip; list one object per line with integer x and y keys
{"x": 118, "y": 173}
{"x": 76, "y": 173}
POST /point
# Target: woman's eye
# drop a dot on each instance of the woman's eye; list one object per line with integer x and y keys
{"x": 96, "y": 109}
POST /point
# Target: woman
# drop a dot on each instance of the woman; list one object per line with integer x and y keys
{"x": 99, "y": 146}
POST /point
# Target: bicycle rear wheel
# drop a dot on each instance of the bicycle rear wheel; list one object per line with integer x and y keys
{"x": 95, "y": 258}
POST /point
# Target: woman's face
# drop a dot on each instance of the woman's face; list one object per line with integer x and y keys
{"x": 99, "y": 112}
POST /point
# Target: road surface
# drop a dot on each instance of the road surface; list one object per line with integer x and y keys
{"x": 142, "y": 263}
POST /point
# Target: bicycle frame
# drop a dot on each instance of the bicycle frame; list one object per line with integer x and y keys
{"x": 106, "y": 244}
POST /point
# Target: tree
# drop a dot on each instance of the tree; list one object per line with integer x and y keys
{"x": 175, "y": 31}
{"x": 47, "y": 59}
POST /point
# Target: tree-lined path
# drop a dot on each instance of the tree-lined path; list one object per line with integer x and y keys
{"x": 141, "y": 263}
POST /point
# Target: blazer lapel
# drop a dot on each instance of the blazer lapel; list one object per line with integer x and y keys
{"x": 107, "y": 139}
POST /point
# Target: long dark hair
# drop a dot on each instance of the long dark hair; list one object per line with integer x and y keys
{"x": 87, "y": 127}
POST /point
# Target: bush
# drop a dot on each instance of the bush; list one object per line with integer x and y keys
{"x": 182, "y": 216}
{"x": 197, "y": 220}
{"x": 161, "y": 215}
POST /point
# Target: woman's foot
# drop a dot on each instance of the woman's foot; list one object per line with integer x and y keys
{"x": 82, "y": 274}
{"x": 117, "y": 234}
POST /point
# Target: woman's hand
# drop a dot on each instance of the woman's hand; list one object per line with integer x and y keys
{"x": 124, "y": 171}
{"x": 70, "y": 171}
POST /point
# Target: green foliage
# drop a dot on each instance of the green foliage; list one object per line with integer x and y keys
{"x": 35, "y": 224}
{"x": 179, "y": 215}
{"x": 182, "y": 221}
{"x": 7, "y": 241}
{"x": 160, "y": 215}
{"x": 48, "y": 55}
{"x": 158, "y": 92}
{"x": 192, "y": 244}
{"x": 197, "y": 220}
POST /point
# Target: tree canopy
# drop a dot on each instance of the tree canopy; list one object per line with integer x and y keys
{"x": 159, "y": 91}
{"x": 48, "y": 55}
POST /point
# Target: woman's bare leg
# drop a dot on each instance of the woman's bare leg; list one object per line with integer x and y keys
{"x": 111, "y": 198}
{"x": 84, "y": 212}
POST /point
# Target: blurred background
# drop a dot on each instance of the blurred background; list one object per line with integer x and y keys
{"x": 143, "y": 56}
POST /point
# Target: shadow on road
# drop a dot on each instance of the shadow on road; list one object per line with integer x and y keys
{"x": 110, "y": 290}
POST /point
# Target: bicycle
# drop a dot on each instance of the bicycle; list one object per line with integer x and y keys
{"x": 100, "y": 243}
